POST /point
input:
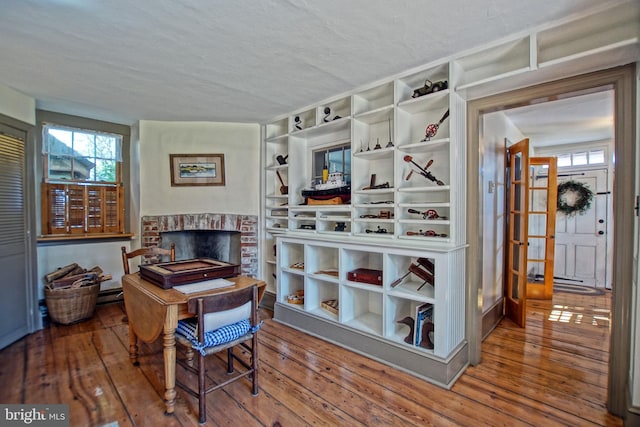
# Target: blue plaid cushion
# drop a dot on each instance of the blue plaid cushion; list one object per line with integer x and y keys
{"x": 225, "y": 334}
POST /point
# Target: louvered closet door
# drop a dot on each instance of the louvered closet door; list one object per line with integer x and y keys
{"x": 13, "y": 241}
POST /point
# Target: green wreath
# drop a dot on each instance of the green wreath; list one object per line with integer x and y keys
{"x": 574, "y": 197}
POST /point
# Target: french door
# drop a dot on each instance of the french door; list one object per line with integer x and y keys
{"x": 543, "y": 199}
{"x": 518, "y": 207}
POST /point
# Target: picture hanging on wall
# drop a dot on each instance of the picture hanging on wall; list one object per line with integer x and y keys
{"x": 196, "y": 169}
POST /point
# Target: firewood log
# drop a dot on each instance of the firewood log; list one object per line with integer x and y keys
{"x": 69, "y": 281}
{"x": 77, "y": 270}
{"x": 95, "y": 269}
{"x": 61, "y": 272}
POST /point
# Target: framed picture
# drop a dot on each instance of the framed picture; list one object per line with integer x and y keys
{"x": 196, "y": 169}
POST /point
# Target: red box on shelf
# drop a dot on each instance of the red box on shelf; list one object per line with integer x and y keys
{"x": 366, "y": 275}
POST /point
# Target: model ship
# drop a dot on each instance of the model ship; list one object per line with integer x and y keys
{"x": 334, "y": 187}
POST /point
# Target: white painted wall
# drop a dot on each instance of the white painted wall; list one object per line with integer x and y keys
{"x": 240, "y": 144}
{"x": 106, "y": 255}
{"x": 17, "y": 105}
{"x": 495, "y": 128}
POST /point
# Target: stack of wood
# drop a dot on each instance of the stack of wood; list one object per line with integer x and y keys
{"x": 73, "y": 276}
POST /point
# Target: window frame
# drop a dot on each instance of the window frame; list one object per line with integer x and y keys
{"x": 105, "y": 207}
{"x": 46, "y": 156}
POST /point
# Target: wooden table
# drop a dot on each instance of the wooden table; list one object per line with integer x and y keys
{"x": 153, "y": 311}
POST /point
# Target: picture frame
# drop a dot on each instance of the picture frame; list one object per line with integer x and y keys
{"x": 197, "y": 169}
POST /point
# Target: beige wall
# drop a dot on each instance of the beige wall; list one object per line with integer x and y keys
{"x": 240, "y": 144}
{"x": 17, "y": 105}
{"x": 495, "y": 128}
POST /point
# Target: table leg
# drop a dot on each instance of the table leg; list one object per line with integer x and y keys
{"x": 133, "y": 346}
{"x": 169, "y": 343}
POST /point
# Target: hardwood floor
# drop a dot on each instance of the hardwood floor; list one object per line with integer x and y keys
{"x": 554, "y": 372}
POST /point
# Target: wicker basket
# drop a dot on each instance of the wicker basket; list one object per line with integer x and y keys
{"x": 72, "y": 305}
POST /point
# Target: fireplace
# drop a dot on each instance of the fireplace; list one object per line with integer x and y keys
{"x": 226, "y": 237}
{"x": 216, "y": 244}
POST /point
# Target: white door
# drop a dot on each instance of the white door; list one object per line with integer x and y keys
{"x": 581, "y": 239}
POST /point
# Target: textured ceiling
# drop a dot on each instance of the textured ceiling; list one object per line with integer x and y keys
{"x": 236, "y": 61}
{"x": 580, "y": 119}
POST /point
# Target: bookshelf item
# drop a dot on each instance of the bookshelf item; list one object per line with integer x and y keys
{"x": 366, "y": 275}
{"x": 424, "y": 326}
{"x": 331, "y": 305}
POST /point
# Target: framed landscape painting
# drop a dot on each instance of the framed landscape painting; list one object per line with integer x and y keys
{"x": 196, "y": 169}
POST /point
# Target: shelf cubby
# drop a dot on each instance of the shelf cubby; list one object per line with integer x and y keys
{"x": 319, "y": 291}
{"x": 423, "y": 232}
{"x": 376, "y": 98}
{"x": 398, "y": 310}
{"x": 494, "y": 63}
{"x": 291, "y": 254}
{"x": 374, "y": 228}
{"x": 338, "y": 109}
{"x": 413, "y": 122}
{"x": 590, "y": 35}
{"x": 421, "y": 195}
{"x": 361, "y": 309}
{"x": 380, "y": 198}
{"x": 321, "y": 259}
{"x": 427, "y": 213}
{"x": 291, "y": 284}
{"x": 435, "y": 162}
{"x": 406, "y": 85}
{"x": 276, "y": 130}
{"x": 337, "y": 227}
{"x": 353, "y": 259}
{"x": 305, "y": 119}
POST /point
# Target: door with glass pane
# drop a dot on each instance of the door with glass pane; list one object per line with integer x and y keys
{"x": 543, "y": 176}
{"x": 516, "y": 289}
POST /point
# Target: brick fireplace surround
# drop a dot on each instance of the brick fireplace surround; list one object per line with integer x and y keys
{"x": 247, "y": 225}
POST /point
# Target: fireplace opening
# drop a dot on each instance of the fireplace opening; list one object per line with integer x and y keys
{"x": 216, "y": 244}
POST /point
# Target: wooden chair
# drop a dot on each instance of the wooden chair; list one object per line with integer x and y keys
{"x": 151, "y": 251}
{"x": 249, "y": 341}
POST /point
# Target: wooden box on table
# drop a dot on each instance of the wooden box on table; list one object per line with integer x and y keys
{"x": 169, "y": 274}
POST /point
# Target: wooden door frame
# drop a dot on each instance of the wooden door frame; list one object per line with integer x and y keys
{"x": 622, "y": 81}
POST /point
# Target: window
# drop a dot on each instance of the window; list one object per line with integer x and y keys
{"x": 582, "y": 158}
{"x": 76, "y": 154}
{"x": 336, "y": 159}
{"x": 82, "y": 192}
{"x": 596, "y": 157}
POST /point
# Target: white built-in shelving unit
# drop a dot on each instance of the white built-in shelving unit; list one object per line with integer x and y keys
{"x": 301, "y": 243}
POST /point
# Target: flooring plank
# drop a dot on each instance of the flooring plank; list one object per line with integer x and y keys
{"x": 13, "y": 368}
{"x": 551, "y": 373}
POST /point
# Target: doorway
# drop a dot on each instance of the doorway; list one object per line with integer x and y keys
{"x": 578, "y": 131}
{"x": 621, "y": 80}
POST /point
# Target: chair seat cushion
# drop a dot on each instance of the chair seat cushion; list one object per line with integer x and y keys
{"x": 188, "y": 329}
{"x": 213, "y": 321}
